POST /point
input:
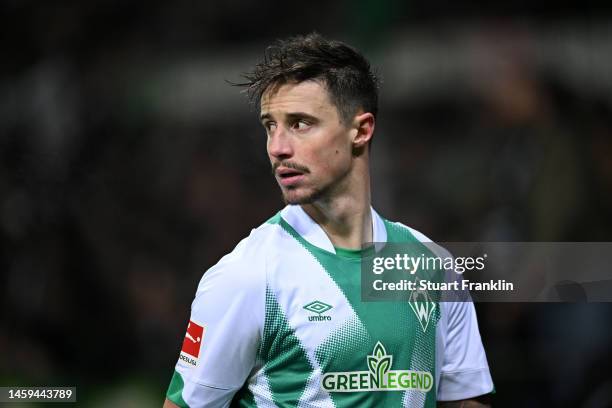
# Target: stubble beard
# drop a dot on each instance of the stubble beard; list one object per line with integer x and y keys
{"x": 309, "y": 198}
{"x": 316, "y": 193}
{"x": 324, "y": 193}
{"x": 287, "y": 196}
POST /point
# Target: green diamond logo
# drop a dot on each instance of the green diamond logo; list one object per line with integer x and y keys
{"x": 317, "y": 307}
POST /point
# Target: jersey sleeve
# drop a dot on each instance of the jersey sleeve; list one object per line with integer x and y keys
{"x": 223, "y": 335}
{"x": 465, "y": 371}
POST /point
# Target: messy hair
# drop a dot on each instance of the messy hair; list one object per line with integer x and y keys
{"x": 344, "y": 72}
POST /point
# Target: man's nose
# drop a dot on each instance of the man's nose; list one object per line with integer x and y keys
{"x": 279, "y": 144}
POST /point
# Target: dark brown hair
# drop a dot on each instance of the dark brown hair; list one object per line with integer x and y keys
{"x": 340, "y": 68}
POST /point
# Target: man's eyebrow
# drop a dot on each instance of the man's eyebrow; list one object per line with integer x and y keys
{"x": 290, "y": 116}
{"x": 301, "y": 115}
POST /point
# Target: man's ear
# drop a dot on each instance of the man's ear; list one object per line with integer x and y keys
{"x": 364, "y": 123}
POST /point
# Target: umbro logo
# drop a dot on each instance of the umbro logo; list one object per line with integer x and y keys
{"x": 319, "y": 308}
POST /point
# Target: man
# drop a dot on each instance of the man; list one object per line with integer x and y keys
{"x": 279, "y": 321}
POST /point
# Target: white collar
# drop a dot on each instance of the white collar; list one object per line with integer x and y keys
{"x": 314, "y": 234}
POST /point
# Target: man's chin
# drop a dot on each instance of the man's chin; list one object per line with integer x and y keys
{"x": 293, "y": 197}
{"x": 296, "y": 200}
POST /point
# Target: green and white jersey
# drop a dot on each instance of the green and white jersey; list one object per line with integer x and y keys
{"x": 279, "y": 322}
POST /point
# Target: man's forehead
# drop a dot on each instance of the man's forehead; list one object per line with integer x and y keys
{"x": 310, "y": 92}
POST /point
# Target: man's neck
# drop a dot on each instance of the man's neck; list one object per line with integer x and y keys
{"x": 346, "y": 220}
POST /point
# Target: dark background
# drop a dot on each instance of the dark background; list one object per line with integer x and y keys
{"x": 128, "y": 166}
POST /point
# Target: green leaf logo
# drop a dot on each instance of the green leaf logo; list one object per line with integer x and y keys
{"x": 383, "y": 366}
{"x": 379, "y": 350}
{"x": 379, "y": 362}
{"x": 372, "y": 364}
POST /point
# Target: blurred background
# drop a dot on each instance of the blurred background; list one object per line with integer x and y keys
{"x": 128, "y": 166}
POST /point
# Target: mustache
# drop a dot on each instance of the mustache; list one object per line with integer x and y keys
{"x": 289, "y": 165}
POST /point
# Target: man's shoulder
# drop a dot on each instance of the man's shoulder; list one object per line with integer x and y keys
{"x": 260, "y": 240}
{"x": 249, "y": 256}
{"x": 242, "y": 271}
{"x": 256, "y": 243}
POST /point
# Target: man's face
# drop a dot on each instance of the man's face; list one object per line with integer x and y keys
{"x": 308, "y": 146}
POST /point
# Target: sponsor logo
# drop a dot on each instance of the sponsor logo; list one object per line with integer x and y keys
{"x": 423, "y": 307}
{"x": 379, "y": 376}
{"x": 190, "y": 352}
{"x": 319, "y": 308}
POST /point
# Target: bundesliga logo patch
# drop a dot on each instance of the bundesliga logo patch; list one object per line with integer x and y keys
{"x": 191, "y": 345}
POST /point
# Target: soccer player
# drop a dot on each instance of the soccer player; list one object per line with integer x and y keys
{"x": 279, "y": 321}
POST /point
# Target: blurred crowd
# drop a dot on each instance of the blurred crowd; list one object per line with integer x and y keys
{"x": 128, "y": 167}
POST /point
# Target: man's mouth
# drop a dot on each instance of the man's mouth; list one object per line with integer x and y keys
{"x": 288, "y": 176}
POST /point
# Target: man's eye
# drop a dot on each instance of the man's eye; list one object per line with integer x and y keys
{"x": 270, "y": 126}
{"x": 301, "y": 125}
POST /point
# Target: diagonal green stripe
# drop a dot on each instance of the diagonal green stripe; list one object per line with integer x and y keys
{"x": 175, "y": 390}
{"x": 244, "y": 398}
{"x": 286, "y": 365}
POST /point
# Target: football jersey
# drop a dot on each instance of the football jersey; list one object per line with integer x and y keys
{"x": 280, "y": 322}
